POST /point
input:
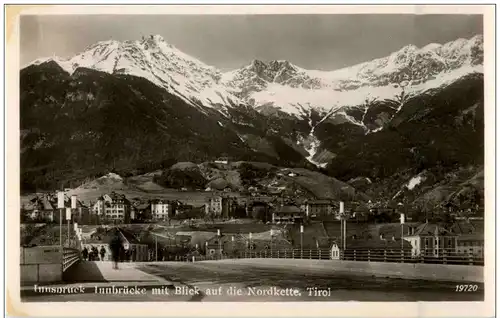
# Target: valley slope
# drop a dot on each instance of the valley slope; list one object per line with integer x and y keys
{"x": 138, "y": 106}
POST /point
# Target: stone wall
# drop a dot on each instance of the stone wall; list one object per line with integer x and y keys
{"x": 41, "y": 264}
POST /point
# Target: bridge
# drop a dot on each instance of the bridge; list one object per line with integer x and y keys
{"x": 253, "y": 279}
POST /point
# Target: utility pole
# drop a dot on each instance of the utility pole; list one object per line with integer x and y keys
{"x": 250, "y": 239}
{"x": 341, "y": 231}
{"x": 156, "y": 248}
{"x": 272, "y": 243}
{"x": 60, "y": 206}
{"x": 220, "y": 248}
{"x": 402, "y": 221}
{"x": 344, "y": 221}
{"x": 232, "y": 244}
{"x": 301, "y": 239}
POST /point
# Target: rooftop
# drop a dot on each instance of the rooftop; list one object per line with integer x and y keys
{"x": 290, "y": 209}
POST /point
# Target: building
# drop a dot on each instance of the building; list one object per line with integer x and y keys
{"x": 335, "y": 251}
{"x": 470, "y": 239}
{"x": 44, "y": 209}
{"x": 98, "y": 206}
{"x": 431, "y": 240}
{"x": 133, "y": 250}
{"x": 471, "y": 245}
{"x": 222, "y": 160}
{"x": 161, "y": 210}
{"x": 260, "y": 210}
{"x": 114, "y": 208}
{"x": 214, "y": 206}
{"x": 143, "y": 212}
{"x": 229, "y": 206}
{"x": 319, "y": 208}
{"x": 390, "y": 230}
{"x": 288, "y": 214}
{"x": 41, "y": 209}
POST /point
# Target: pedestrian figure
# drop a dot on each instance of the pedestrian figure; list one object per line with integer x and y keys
{"x": 95, "y": 253}
{"x": 103, "y": 252}
{"x": 85, "y": 253}
{"x": 116, "y": 248}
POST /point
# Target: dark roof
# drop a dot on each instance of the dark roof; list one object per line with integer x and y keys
{"x": 333, "y": 229}
{"x": 290, "y": 209}
{"x": 142, "y": 206}
{"x": 160, "y": 201}
{"x": 314, "y": 234}
{"x": 131, "y": 238}
{"x": 45, "y": 204}
{"x": 394, "y": 229}
{"x": 430, "y": 229}
{"x": 467, "y": 227}
{"x": 107, "y": 236}
{"x": 319, "y": 202}
{"x": 116, "y": 196}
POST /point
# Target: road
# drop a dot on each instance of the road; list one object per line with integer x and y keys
{"x": 213, "y": 281}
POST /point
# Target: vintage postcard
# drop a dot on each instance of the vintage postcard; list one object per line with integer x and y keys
{"x": 262, "y": 160}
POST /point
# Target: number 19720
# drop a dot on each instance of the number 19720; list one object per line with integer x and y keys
{"x": 466, "y": 288}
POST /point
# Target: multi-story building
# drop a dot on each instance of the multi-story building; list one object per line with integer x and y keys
{"x": 288, "y": 214}
{"x": 431, "y": 240}
{"x": 471, "y": 245}
{"x": 161, "y": 210}
{"x": 470, "y": 237}
{"x": 319, "y": 208}
{"x": 214, "y": 206}
{"x": 113, "y": 207}
{"x": 98, "y": 207}
{"x": 41, "y": 209}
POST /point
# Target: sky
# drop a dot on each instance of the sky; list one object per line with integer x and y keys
{"x": 322, "y": 42}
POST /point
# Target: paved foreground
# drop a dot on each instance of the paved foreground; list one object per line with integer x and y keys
{"x": 231, "y": 281}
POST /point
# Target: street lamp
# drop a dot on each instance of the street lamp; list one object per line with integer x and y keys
{"x": 402, "y": 221}
{"x": 60, "y": 206}
{"x": 220, "y": 248}
{"x": 68, "y": 217}
{"x": 343, "y": 221}
{"x": 272, "y": 243}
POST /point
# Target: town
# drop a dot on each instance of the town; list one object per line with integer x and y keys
{"x": 229, "y": 225}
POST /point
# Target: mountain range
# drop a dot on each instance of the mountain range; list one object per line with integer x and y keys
{"x": 134, "y": 106}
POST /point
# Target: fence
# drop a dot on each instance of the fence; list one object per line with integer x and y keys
{"x": 376, "y": 255}
{"x": 71, "y": 256}
{"x": 442, "y": 256}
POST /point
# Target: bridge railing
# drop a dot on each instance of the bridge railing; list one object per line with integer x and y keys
{"x": 443, "y": 256}
{"x": 71, "y": 256}
{"x": 430, "y": 256}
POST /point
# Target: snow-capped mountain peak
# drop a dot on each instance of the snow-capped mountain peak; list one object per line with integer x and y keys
{"x": 280, "y": 83}
{"x": 157, "y": 61}
{"x": 291, "y": 88}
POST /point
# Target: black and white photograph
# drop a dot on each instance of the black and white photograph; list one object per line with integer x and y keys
{"x": 272, "y": 157}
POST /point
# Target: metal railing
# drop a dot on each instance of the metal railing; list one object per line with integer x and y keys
{"x": 441, "y": 256}
{"x": 374, "y": 255}
{"x": 71, "y": 256}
